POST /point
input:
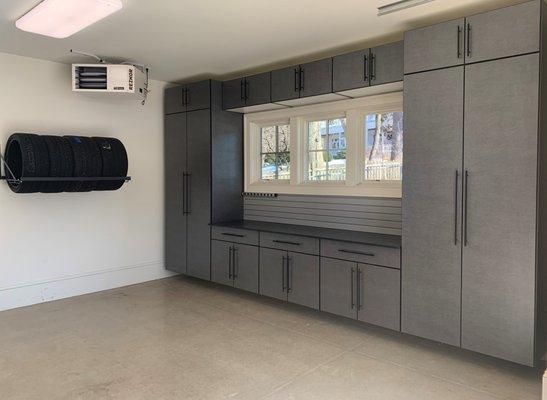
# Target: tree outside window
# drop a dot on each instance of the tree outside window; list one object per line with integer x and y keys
{"x": 384, "y": 146}
{"x": 275, "y": 152}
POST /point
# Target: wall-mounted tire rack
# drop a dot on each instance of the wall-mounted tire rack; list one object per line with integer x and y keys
{"x": 12, "y": 178}
{"x": 54, "y": 164}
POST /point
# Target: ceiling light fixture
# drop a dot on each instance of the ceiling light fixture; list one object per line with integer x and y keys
{"x": 62, "y": 18}
{"x": 399, "y": 5}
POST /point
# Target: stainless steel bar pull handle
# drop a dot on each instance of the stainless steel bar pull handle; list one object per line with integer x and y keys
{"x": 359, "y": 306}
{"x": 283, "y": 272}
{"x": 372, "y": 67}
{"x": 456, "y": 208}
{"x": 184, "y": 192}
{"x": 234, "y": 262}
{"x": 286, "y": 242}
{"x": 233, "y": 234}
{"x": 361, "y": 253}
{"x": 468, "y": 45}
{"x": 188, "y": 196}
{"x": 365, "y": 68}
{"x": 230, "y": 275}
{"x": 459, "y": 41}
{"x": 289, "y": 288}
{"x": 351, "y": 285}
{"x": 466, "y": 207}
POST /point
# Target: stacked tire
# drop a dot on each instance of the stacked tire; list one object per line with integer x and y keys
{"x": 31, "y": 156}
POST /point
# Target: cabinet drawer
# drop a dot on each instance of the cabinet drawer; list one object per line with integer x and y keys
{"x": 362, "y": 253}
{"x": 300, "y": 244}
{"x": 235, "y": 235}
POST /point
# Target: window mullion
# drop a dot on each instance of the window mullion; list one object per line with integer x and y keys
{"x": 354, "y": 155}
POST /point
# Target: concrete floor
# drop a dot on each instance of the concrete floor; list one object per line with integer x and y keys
{"x": 182, "y": 339}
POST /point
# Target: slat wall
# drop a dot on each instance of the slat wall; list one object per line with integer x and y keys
{"x": 365, "y": 214}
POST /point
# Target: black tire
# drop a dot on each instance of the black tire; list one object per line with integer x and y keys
{"x": 27, "y": 156}
{"x": 87, "y": 163}
{"x": 115, "y": 162}
{"x": 61, "y": 162}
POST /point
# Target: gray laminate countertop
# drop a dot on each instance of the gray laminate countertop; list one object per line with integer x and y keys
{"x": 376, "y": 239}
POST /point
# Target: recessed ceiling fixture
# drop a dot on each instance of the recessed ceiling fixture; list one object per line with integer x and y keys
{"x": 63, "y": 18}
{"x": 399, "y": 5}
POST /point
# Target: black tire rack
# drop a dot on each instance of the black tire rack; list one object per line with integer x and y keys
{"x": 53, "y": 164}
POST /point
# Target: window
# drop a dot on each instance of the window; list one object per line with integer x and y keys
{"x": 384, "y": 146}
{"x": 350, "y": 147}
{"x": 327, "y": 150}
{"x": 275, "y": 152}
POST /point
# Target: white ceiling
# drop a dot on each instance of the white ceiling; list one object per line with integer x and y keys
{"x": 190, "y": 39}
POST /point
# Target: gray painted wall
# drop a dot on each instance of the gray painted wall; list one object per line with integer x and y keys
{"x": 365, "y": 214}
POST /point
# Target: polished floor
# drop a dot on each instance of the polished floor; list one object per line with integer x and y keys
{"x": 182, "y": 339}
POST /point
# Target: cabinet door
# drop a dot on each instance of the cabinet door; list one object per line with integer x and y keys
{"x": 379, "y": 296}
{"x": 221, "y": 262}
{"x": 172, "y": 100}
{"x": 387, "y": 63}
{"x": 338, "y": 287}
{"x": 316, "y": 78}
{"x": 199, "y": 193}
{"x": 431, "y": 246}
{"x": 285, "y": 84}
{"x": 258, "y": 89}
{"x": 505, "y": 32}
{"x": 501, "y": 138}
{"x": 303, "y": 280}
{"x": 245, "y": 264}
{"x": 272, "y": 273}
{"x": 233, "y": 93}
{"x": 432, "y": 47}
{"x": 350, "y": 71}
{"x": 198, "y": 95}
{"x": 175, "y": 166}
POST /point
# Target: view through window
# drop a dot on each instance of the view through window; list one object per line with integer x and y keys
{"x": 327, "y": 150}
{"x": 384, "y": 146}
{"x": 275, "y": 153}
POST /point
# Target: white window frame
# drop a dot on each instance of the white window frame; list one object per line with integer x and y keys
{"x": 355, "y": 111}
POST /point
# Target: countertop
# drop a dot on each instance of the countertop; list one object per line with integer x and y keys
{"x": 376, "y": 239}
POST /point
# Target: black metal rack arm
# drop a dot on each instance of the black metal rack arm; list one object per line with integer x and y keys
{"x": 55, "y": 178}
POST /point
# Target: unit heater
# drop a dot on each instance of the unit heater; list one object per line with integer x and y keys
{"x": 109, "y": 78}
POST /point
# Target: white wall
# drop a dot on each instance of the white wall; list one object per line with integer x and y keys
{"x": 60, "y": 245}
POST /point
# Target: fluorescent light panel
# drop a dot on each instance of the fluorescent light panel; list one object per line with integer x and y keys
{"x": 62, "y": 18}
{"x": 400, "y": 5}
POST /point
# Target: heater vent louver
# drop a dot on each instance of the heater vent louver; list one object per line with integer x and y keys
{"x": 90, "y": 77}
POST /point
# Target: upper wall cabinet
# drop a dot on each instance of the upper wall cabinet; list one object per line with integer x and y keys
{"x": 357, "y": 70}
{"x": 495, "y": 34}
{"x": 190, "y": 97}
{"x": 387, "y": 63}
{"x": 291, "y": 86}
{"x": 351, "y": 70}
{"x": 286, "y": 83}
{"x": 505, "y": 32}
{"x": 173, "y": 100}
{"x": 316, "y": 78}
{"x": 434, "y": 47}
{"x": 246, "y": 92}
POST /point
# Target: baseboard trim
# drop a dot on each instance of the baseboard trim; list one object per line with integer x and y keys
{"x": 73, "y": 285}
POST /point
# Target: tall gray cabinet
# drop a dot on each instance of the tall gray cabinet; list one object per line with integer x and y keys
{"x": 473, "y": 229}
{"x": 203, "y": 178}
